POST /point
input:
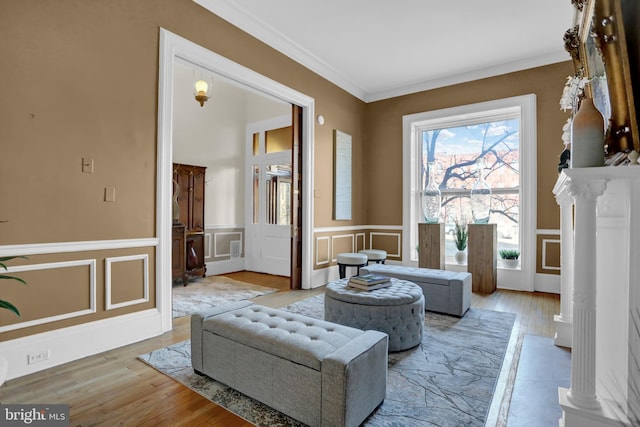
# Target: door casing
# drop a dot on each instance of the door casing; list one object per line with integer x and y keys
{"x": 172, "y": 48}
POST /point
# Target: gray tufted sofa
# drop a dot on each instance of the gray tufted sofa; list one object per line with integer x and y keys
{"x": 317, "y": 372}
{"x": 397, "y": 310}
{"x": 446, "y": 292}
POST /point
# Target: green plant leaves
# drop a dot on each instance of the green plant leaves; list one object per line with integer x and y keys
{"x": 6, "y": 304}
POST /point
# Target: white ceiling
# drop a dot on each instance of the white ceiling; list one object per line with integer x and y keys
{"x": 377, "y": 49}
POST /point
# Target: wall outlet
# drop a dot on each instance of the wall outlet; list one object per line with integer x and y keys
{"x": 38, "y": 356}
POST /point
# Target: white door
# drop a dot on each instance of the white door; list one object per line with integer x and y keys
{"x": 268, "y": 239}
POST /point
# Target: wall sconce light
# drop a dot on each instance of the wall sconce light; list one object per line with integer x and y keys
{"x": 202, "y": 94}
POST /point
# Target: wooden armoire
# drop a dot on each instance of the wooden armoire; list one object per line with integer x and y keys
{"x": 188, "y": 222}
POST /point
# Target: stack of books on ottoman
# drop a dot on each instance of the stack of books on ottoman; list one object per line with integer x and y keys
{"x": 369, "y": 282}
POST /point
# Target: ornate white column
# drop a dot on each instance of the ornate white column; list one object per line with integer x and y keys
{"x": 583, "y": 356}
{"x": 564, "y": 320}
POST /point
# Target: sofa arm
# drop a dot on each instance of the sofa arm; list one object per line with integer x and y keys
{"x": 354, "y": 380}
{"x": 197, "y": 322}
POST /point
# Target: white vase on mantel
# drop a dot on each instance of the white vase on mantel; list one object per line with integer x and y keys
{"x": 587, "y": 136}
{"x": 4, "y": 369}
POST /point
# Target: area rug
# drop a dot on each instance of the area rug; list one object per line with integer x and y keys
{"x": 212, "y": 291}
{"x": 448, "y": 380}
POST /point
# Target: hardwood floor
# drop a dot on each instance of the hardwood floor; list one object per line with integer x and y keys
{"x": 115, "y": 388}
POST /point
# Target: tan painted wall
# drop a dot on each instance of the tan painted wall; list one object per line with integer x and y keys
{"x": 384, "y": 136}
{"x": 78, "y": 78}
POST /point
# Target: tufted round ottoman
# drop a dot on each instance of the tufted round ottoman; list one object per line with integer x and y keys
{"x": 397, "y": 310}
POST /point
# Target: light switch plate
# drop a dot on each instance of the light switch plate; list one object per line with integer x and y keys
{"x": 109, "y": 194}
{"x": 87, "y": 165}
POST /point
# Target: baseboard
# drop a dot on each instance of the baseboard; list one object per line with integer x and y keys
{"x": 75, "y": 342}
{"x": 564, "y": 332}
{"x": 322, "y": 276}
{"x": 232, "y": 265}
{"x": 547, "y": 283}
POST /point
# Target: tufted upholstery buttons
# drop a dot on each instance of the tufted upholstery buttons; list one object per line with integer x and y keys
{"x": 307, "y": 340}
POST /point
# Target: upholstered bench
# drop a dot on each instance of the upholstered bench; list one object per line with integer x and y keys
{"x": 397, "y": 310}
{"x": 446, "y": 292}
{"x": 317, "y": 372}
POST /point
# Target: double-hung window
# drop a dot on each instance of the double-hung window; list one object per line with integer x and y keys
{"x": 457, "y": 147}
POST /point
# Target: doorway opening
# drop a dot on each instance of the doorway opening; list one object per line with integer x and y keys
{"x": 174, "y": 49}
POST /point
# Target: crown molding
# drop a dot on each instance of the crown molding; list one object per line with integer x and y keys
{"x": 247, "y": 22}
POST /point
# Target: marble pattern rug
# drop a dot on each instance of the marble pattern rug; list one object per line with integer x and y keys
{"x": 448, "y": 380}
{"x": 211, "y": 291}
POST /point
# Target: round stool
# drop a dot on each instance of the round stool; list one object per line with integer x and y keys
{"x": 377, "y": 255}
{"x": 397, "y": 310}
{"x": 350, "y": 260}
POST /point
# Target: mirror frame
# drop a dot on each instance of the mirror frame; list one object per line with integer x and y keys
{"x": 602, "y": 21}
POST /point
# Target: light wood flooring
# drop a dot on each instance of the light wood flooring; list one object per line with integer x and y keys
{"x": 115, "y": 388}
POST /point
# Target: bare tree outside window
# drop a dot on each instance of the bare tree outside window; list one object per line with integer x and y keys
{"x": 455, "y": 151}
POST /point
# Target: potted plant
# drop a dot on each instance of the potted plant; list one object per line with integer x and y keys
{"x": 6, "y": 304}
{"x": 4, "y": 365}
{"x": 510, "y": 257}
{"x": 460, "y": 237}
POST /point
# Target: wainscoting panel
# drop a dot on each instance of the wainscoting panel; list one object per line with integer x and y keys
{"x": 39, "y": 292}
{"x": 386, "y": 241}
{"x": 548, "y": 251}
{"x": 222, "y": 243}
{"x": 340, "y": 244}
{"x": 331, "y": 241}
{"x": 208, "y": 243}
{"x": 126, "y": 281}
{"x": 323, "y": 255}
{"x": 225, "y": 249}
{"x": 550, "y": 258}
{"x": 71, "y": 294}
{"x": 360, "y": 241}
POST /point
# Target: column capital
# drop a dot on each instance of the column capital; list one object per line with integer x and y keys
{"x": 587, "y": 190}
{"x": 564, "y": 199}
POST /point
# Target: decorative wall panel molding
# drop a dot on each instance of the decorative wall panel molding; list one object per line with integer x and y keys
{"x": 545, "y": 242}
{"x": 334, "y": 253}
{"x": 221, "y": 242}
{"x": 91, "y": 263}
{"x": 207, "y": 245}
{"x": 108, "y": 263}
{"x": 360, "y": 241}
{"x": 397, "y": 236}
{"x": 323, "y": 241}
{"x": 62, "y": 247}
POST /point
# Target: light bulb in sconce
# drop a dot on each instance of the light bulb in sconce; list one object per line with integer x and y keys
{"x": 201, "y": 92}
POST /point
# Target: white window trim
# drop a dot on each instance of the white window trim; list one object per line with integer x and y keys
{"x": 522, "y": 279}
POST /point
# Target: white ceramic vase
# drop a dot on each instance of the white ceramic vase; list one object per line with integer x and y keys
{"x": 587, "y": 136}
{"x": 461, "y": 257}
